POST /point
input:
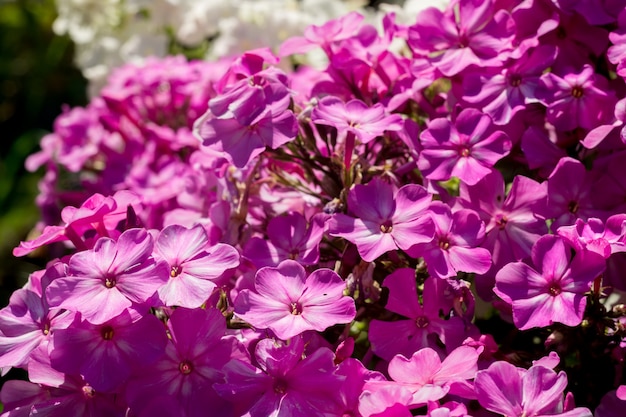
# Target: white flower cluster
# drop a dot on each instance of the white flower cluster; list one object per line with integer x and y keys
{"x": 109, "y": 33}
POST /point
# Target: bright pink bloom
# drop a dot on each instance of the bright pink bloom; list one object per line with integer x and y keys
{"x": 426, "y": 377}
{"x": 512, "y": 223}
{"x": 192, "y": 363}
{"x": 284, "y": 384}
{"x": 468, "y": 32}
{"x": 570, "y": 194}
{"x": 405, "y": 337}
{"x": 288, "y": 302}
{"x": 355, "y": 117}
{"x": 110, "y": 278}
{"x": 596, "y": 236}
{"x": 27, "y": 321}
{"x": 250, "y": 115}
{"x": 455, "y": 247}
{"x": 106, "y": 354}
{"x": 288, "y": 238}
{"x": 580, "y": 99}
{"x": 193, "y": 265}
{"x": 382, "y": 220}
{"x": 324, "y": 36}
{"x": 467, "y": 148}
{"x": 503, "y": 94}
{"x": 515, "y": 392}
{"x": 551, "y": 291}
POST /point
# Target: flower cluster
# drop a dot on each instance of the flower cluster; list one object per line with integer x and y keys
{"x": 425, "y": 225}
{"x": 109, "y": 33}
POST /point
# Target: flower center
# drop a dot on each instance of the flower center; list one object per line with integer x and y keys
{"x": 176, "y": 271}
{"x": 296, "y": 309}
{"x": 185, "y": 367}
{"x": 106, "y": 332}
{"x": 554, "y": 289}
{"x": 88, "y": 391}
{"x": 109, "y": 282}
{"x": 573, "y": 207}
{"x": 422, "y": 322}
{"x": 46, "y": 329}
{"x": 444, "y": 243}
{"x": 515, "y": 80}
{"x": 464, "y": 152}
{"x": 501, "y": 221}
{"x": 386, "y": 227}
{"x": 280, "y": 386}
{"x": 577, "y": 91}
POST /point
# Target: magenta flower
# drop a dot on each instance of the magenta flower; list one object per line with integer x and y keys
{"x": 426, "y": 377}
{"x": 106, "y": 354}
{"x": 284, "y": 384}
{"x": 382, "y": 221}
{"x": 467, "y": 149}
{"x": 252, "y": 114}
{"x": 97, "y": 216}
{"x": 467, "y": 33}
{"x": 288, "y": 302}
{"x": 512, "y": 223}
{"x": 110, "y": 278}
{"x": 355, "y": 117}
{"x": 324, "y": 35}
{"x": 580, "y": 99}
{"x": 407, "y": 336}
{"x": 570, "y": 194}
{"x": 193, "y": 265}
{"x": 504, "y": 94}
{"x": 515, "y": 392}
{"x": 617, "y": 52}
{"x": 192, "y": 363}
{"x": 596, "y": 236}
{"x": 289, "y": 238}
{"x": 27, "y": 322}
{"x": 551, "y": 291}
{"x": 455, "y": 247}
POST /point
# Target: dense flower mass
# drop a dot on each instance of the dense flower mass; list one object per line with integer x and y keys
{"x": 429, "y": 221}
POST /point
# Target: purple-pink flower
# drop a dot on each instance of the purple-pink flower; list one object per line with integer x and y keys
{"x": 455, "y": 247}
{"x": 467, "y": 33}
{"x": 383, "y": 220}
{"x": 553, "y": 289}
{"x": 110, "y": 278}
{"x": 288, "y": 302}
{"x": 193, "y": 265}
{"x": 514, "y": 392}
{"x": 467, "y": 149}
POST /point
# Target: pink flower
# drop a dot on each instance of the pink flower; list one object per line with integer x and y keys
{"x": 284, "y": 384}
{"x": 193, "y": 360}
{"x": 426, "y": 377}
{"x": 580, "y": 99}
{"x": 383, "y": 220}
{"x": 193, "y": 265}
{"x": 407, "y": 336}
{"x": 288, "y": 238}
{"x": 468, "y": 32}
{"x": 108, "y": 353}
{"x": 288, "y": 302}
{"x": 467, "y": 149}
{"x": 27, "y": 322}
{"x": 110, "y": 278}
{"x": 455, "y": 245}
{"x": 554, "y": 290}
{"x": 515, "y": 392}
{"x": 355, "y": 117}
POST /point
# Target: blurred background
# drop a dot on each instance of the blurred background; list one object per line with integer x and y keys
{"x": 37, "y": 78}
